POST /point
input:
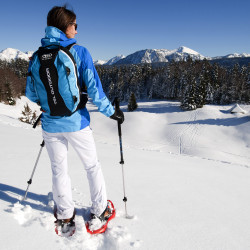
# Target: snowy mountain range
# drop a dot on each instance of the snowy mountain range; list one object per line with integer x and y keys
{"x": 234, "y": 55}
{"x": 142, "y": 56}
{"x": 160, "y": 55}
{"x": 13, "y": 54}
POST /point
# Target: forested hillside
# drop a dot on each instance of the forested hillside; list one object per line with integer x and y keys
{"x": 194, "y": 83}
{"x": 12, "y": 80}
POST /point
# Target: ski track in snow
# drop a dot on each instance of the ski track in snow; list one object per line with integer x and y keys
{"x": 189, "y": 133}
{"x": 179, "y": 132}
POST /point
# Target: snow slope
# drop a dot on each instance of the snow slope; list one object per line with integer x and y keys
{"x": 115, "y": 59}
{"x": 187, "y": 181}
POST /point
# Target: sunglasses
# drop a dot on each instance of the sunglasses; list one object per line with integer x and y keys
{"x": 75, "y": 24}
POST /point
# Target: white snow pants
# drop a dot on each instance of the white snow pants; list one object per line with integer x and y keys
{"x": 83, "y": 142}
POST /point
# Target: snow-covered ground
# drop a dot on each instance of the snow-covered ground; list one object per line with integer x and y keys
{"x": 187, "y": 177}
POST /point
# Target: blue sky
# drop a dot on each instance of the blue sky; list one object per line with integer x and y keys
{"x": 109, "y": 28}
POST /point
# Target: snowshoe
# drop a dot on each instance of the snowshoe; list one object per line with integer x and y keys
{"x": 99, "y": 224}
{"x": 65, "y": 227}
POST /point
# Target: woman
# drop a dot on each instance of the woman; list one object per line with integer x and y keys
{"x": 57, "y": 133}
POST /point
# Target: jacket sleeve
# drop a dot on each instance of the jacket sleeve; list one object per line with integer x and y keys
{"x": 30, "y": 90}
{"x": 94, "y": 86}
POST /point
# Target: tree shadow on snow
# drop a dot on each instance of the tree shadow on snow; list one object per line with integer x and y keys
{"x": 159, "y": 107}
{"x": 233, "y": 121}
{"x": 13, "y": 195}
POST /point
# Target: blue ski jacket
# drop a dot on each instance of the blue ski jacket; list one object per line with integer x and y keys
{"x": 86, "y": 73}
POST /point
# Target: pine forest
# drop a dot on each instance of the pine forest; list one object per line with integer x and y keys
{"x": 193, "y": 83}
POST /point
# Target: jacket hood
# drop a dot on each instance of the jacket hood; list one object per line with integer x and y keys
{"x": 55, "y": 36}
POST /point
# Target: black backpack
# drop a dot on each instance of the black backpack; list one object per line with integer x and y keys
{"x": 54, "y": 74}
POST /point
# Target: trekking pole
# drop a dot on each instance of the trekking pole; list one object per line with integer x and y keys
{"x": 34, "y": 169}
{"x": 37, "y": 159}
{"x": 117, "y": 107}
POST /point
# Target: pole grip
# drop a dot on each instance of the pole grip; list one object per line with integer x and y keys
{"x": 38, "y": 119}
{"x": 116, "y": 103}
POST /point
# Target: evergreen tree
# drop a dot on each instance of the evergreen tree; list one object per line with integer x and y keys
{"x": 188, "y": 98}
{"x": 9, "y": 92}
{"x": 188, "y": 101}
{"x": 243, "y": 88}
{"x": 202, "y": 85}
{"x": 28, "y": 116}
{"x": 132, "y": 104}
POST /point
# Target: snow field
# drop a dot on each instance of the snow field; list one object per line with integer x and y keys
{"x": 198, "y": 199}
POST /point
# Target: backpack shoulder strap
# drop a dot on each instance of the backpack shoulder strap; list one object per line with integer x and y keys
{"x": 70, "y": 46}
{"x": 84, "y": 87}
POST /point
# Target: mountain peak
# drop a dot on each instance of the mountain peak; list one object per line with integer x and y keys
{"x": 187, "y": 50}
